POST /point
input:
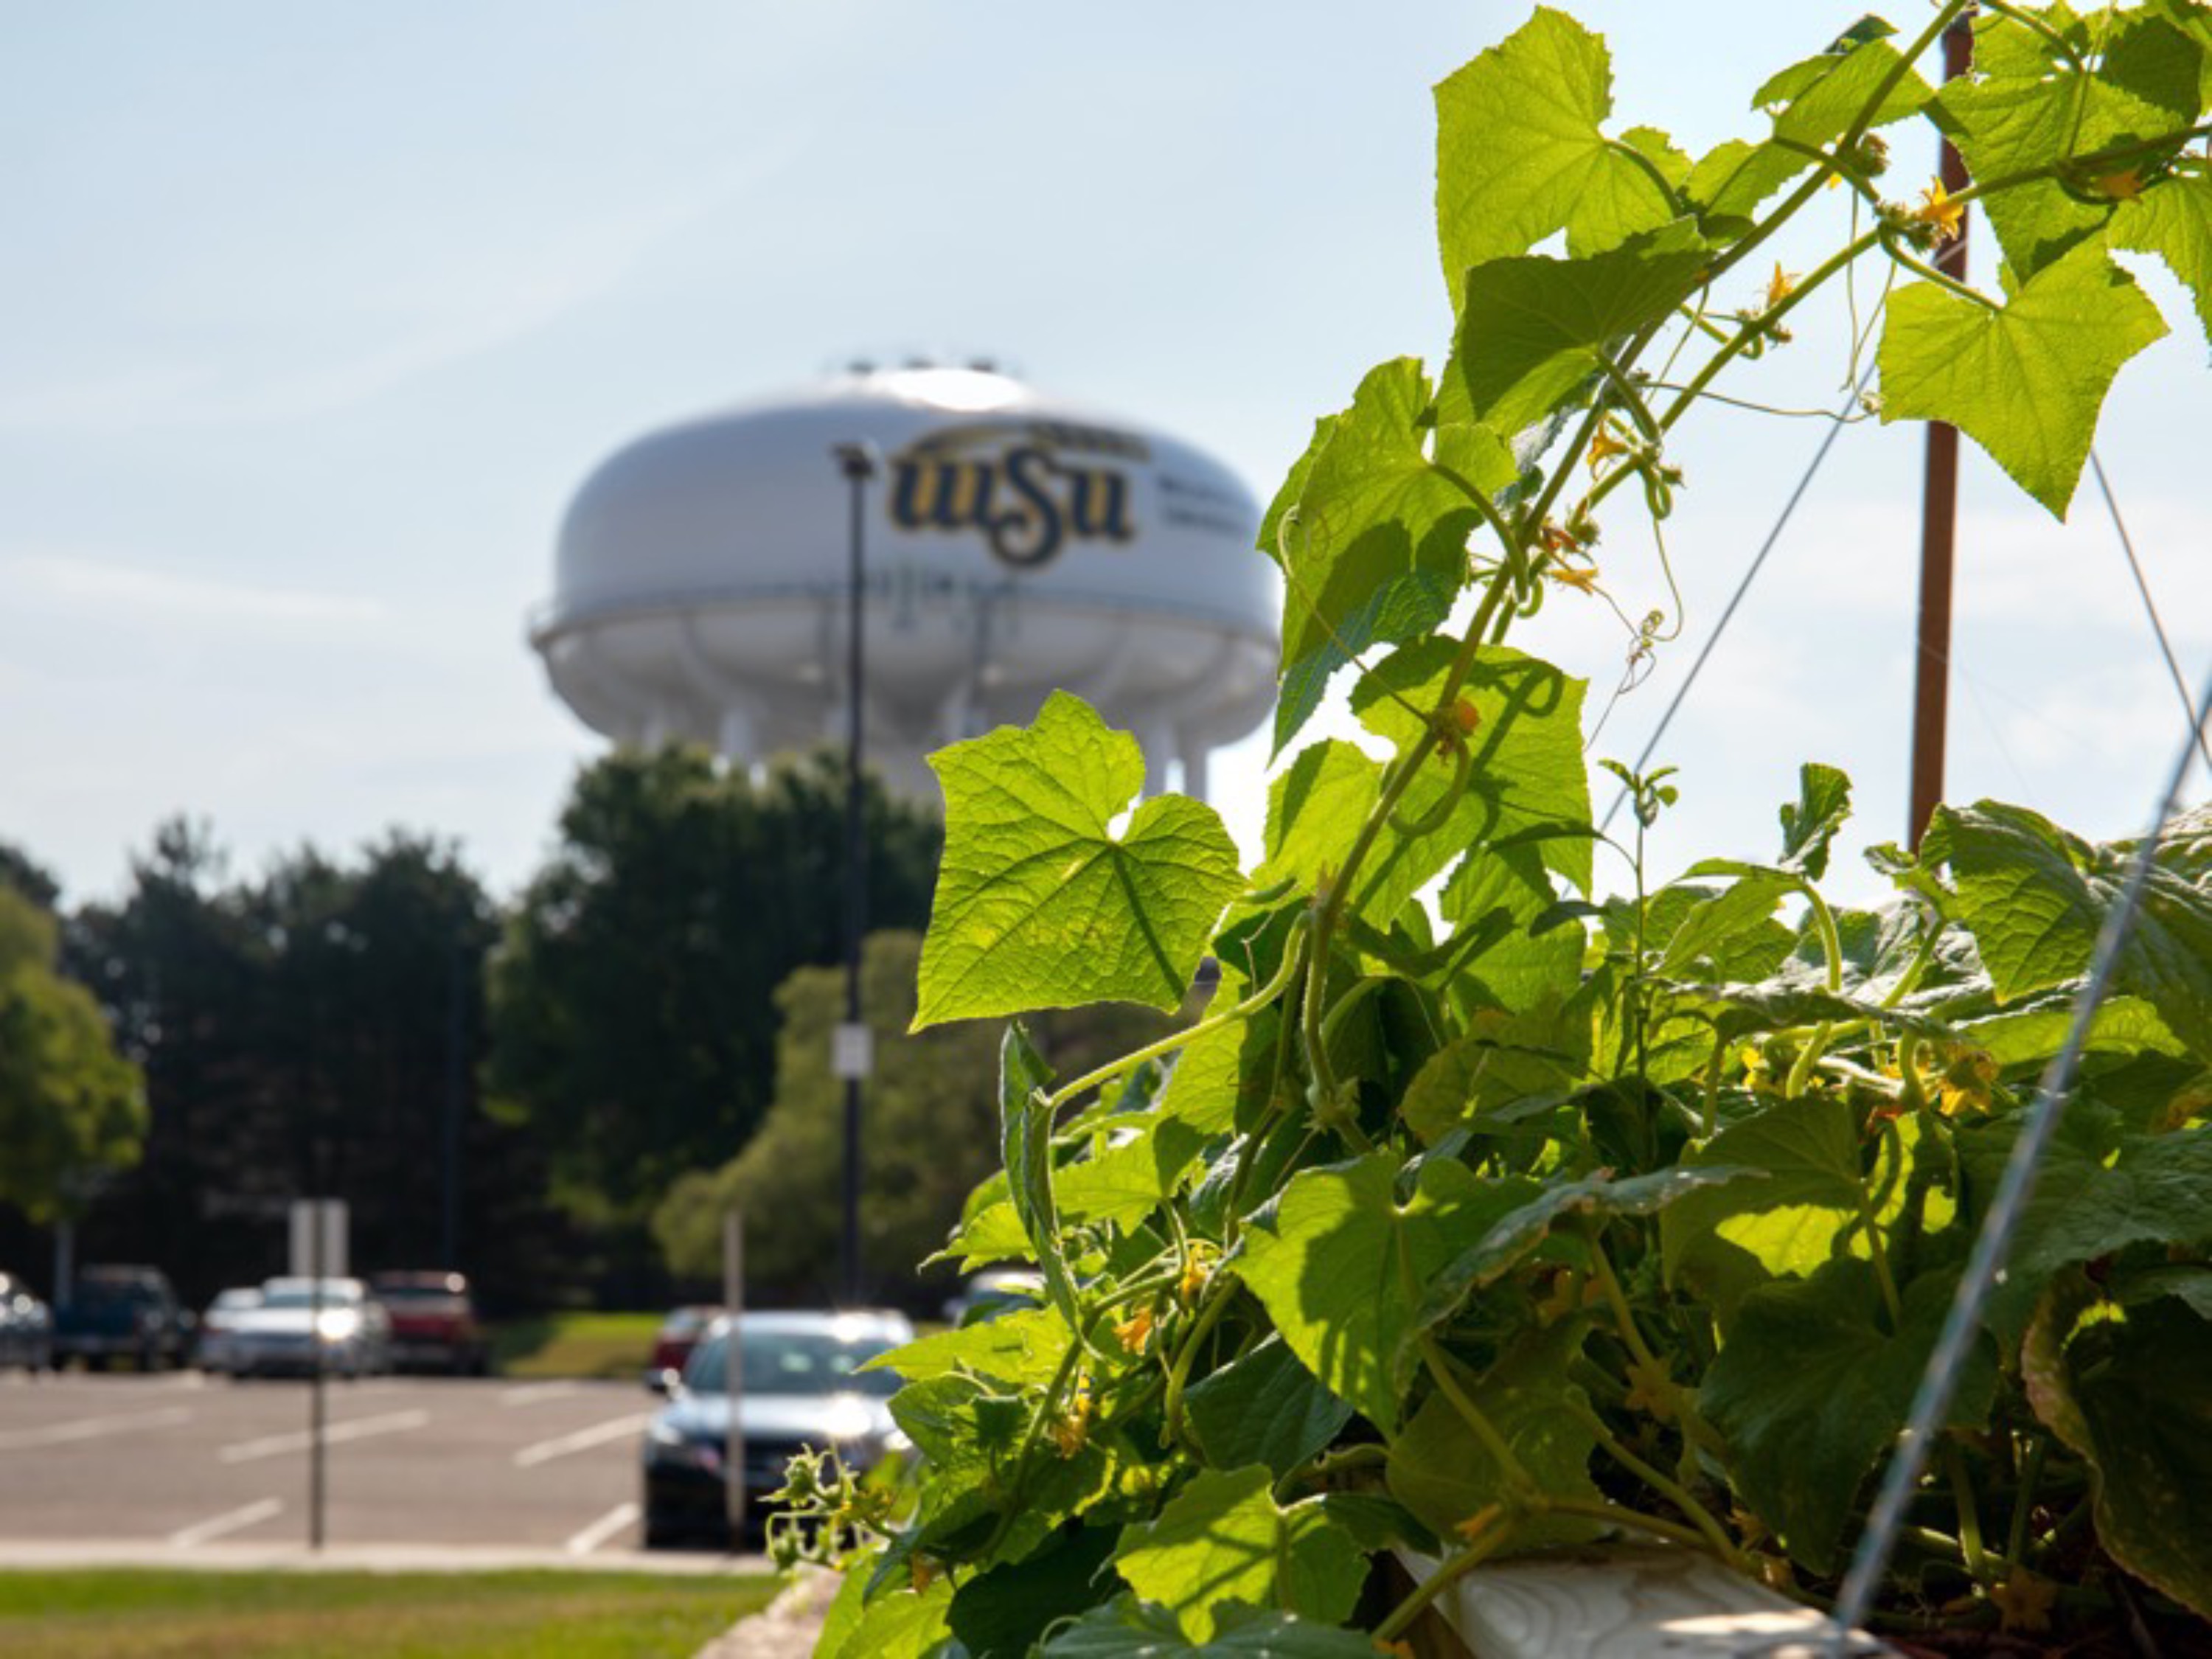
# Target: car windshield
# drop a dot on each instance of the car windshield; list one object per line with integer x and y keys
{"x": 794, "y": 1361}
{"x": 303, "y": 1296}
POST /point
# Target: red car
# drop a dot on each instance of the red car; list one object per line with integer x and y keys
{"x": 672, "y": 1343}
{"x": 434, "y": 1322}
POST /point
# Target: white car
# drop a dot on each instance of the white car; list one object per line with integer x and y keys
{"x": 295, "y": 1331}
{"x": 218, "y": 1343}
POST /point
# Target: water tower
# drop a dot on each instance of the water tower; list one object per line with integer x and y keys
{"x": 1015, "y": 544}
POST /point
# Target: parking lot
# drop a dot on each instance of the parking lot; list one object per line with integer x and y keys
{"x": 181, "y": 1466}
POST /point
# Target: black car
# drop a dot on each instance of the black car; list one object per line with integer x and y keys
{"x": 800, "y": 1385}
{"x": 122, "y": 1313}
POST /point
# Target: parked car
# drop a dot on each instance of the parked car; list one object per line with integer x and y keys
{"x": 672, "y": 1343}
{"x": 434, "y": 1322}
{"x": 27, "y": 1328}
{"x": 296, "y": 1330}
{"x": 219, "y": 1326}
{"x": 800, "y": 1385}
{"x": 993, "y": 1291}
{"x": 120, "y": 1312}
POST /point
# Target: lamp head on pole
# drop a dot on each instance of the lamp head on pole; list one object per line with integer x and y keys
{"x": 858, "y": 461}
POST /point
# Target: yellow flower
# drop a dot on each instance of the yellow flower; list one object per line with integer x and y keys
{"x": 1398, "y": 1650}
{"x": 1939, "y": 211}
{"x": 1780, "y": 286}
{"x": 1071, "y": 1430}
{"x": 2024, "y": 1602}
{"x": 1651, "y": 1389}
{"x": 2121, "y": 186}
{"x": 1196, "y": 1272}
{"x": 1581, "y": 577}
{"x": 1604, "y": 446}
{"x": 1968, "y": 1076}
{"x": 1135, "y": 1332}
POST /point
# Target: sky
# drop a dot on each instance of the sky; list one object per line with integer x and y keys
{"x": 314, "y": 318}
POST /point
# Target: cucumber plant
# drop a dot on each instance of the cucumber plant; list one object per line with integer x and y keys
{"x": 1480, "y": 1213}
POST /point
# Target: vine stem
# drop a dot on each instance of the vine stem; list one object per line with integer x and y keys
{"x": 1672, "y": 1489}
{"x": 1694, "y": 1427}
{"x": 1174, "y": 1040}
{"x": 1508, "y": 1462}
{"x": 1219, "y": 1294}
{"x": 1490, "y": 1532}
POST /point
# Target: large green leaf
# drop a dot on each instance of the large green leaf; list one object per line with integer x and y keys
{"x": 2173, "y": 220}
{"x": 1504, "y": 1061}
{"x": 2090, "y": 1199}
{"x": 1038, "y": 903}
{"x": 2036, "y": 897}
{"x": 1529, "y": 951}
{"x": 1525, "y": 767}
{"x": 1520, "y": 153}
{"x": 1812, "y": 1386}
{"x": 1535, "y": 331}
{"x": 1023, "y": 1348}
{"x": 1341, "y": 1266}
{"x": 1444, "y": 1474}
{"x": 1224, "y": 1538}
{"x": 1315, "y": 808}
{"x": 1264, "y": 1407}
{"x": 1791, "y": 1222}
{"x": 2131, "y": 1391}
{"x": 2030, "y": 105}
{"x": 1375, "y": 550}
{"x": 903, "y": 1624}
{"x": 1001, "y": 1613}
{"x": 1126, "y": 1631}
{"x": 2024, "y": 381}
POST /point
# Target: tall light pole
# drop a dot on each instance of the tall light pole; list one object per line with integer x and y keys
{"x": 849, "y": 1053}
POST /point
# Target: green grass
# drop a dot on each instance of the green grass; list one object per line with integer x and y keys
{"x": 612, "y": 1345}
{"x": 138, "y": 1614}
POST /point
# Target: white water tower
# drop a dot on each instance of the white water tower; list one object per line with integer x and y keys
{"x": 1016, "y": 544}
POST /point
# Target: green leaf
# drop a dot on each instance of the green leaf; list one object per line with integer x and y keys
{"x": 2090, "y": 1201}
{"x": 2035, "y": 898}
{"x": 1224, "y": 1538}
{"x": 2131, "y": 1391}
{"x": 1520, "y": 153}
{"x": 1525, "y": 770}
{"x": 1532, "y": 953}
{"x": 1376, "y": 549}
{"x": 1791, "y": 1222}
{"x": 1812, "y": 1387}
{"x": 900, "y": 1625}
{"x": 1710, "y": 940}
{"x": 1128, "y": 1176}
{"x": 1809, "y": 827}
{"x": 1023, "y": 1348}
{"x": 1001, "y": 1613}
{"x": 1341, "y": 1267}
{"x": 992, "y": 1233}
{"x": 1315, "y": 808}
{"x": 1125, "y": 1630}
{"x": 1025, "y": 1142}
{"x": 1264, "y": 1407}
{"x": 1536, "y": 331}
{"x": 1444, "y": 1474}
{"x": 2173, "y": 220}
{"x": 1504, "y": 1060}
{"x": 2025, "y": 381}
{"x": 1514, "y": 1235}
{"x": 1218, "y": 1081}
{"x": 1038, "y": 905}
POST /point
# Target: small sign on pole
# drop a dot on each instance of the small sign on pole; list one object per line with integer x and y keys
{"x": 852, "y": 1051}
{"x": 318, "y": 1239}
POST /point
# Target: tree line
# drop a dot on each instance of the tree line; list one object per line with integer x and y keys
{"x": 514, "y": 1089}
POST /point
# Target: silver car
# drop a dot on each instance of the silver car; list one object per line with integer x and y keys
{"x": 294, "y": 1331}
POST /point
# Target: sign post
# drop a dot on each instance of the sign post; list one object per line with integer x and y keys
{"x": 318, "y": 1251}
{"x": 734, "y": 1371}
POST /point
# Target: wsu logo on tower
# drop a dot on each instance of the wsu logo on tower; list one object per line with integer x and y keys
{"x": 1028, "y": 488}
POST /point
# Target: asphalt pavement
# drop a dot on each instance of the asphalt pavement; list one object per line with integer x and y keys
{"x": 181, "y": 1469}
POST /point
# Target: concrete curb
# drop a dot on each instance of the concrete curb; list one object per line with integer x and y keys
{"x": 48, "y": 1555}
{"x": 786, "y": 1630}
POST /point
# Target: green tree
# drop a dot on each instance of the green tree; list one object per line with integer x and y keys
{"x": 632, "y": 1000}
{"x": 70, "y": 1106}
{"x": 931, "y": 1129}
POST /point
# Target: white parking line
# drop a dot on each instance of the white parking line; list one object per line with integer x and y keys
{"x": 360, "y": 1428}
{"x": 583, "y": 1440}
{"x": 603, "y": 1529}
{"x": 235, "y": 1520}
{"x": 531, "y": 1392}
{"x": 91, "y": 1428}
